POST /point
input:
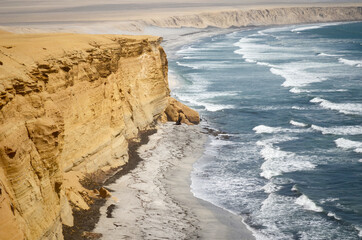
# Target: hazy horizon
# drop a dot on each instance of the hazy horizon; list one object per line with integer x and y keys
{"x": 38, "y": 11}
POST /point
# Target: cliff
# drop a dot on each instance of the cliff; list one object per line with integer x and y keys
{"x": 69, "y": 104}
{"x": 259, "y": 16}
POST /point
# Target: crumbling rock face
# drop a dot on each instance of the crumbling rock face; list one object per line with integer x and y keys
{"x": 68, "y": 106}
{"x": 260, "y": 17}
{"x": 178, "y": 112}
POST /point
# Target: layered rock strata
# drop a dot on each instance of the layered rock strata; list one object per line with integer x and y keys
{"x": 69, "y": 104}
{"x": 259, "y": 17}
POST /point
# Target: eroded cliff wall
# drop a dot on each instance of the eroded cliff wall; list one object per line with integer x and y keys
{"x": 259, "y": 17}
{"x": 68, "y": 105}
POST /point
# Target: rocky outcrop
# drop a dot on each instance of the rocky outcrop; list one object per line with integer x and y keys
{"x": 68, "y": 106}
{"x": 178, "y": 112}
{"x": 260, "y": 17}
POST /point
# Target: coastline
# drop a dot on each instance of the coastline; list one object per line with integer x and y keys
{"x": 86, "y": 220}
{"x": 154, "y": 200}
{"x": 204, "y": 220}
{"x": 186, "y": 215}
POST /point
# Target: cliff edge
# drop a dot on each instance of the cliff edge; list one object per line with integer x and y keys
{"x": 259, "y": 16}
{"x": 69, "y": 104}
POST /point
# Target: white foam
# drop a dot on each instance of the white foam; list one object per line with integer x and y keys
{"x": 278, "y": 161}
{"x": 346, "y": 108}
{"x": 353, "y": 63}
{"x": 359, "y": 229}
{"x": 331, "y": 214}
{"x": 211, "y": 107}
{"x": 308, "y": 204}
{"x": 187, "y": 65}
{"x": 295, "y": 90}
{"x": 294, "y": 188}
{"x": 328, "y": 55}
{"x": 323, "y": 201}
{"x": 298, "y": 90}
{"x": 266, "y": 129}
{"x": 298, "y": 124}
{"x": 250, "y": 60}
{"x": 349, "y": 144}
{"x": 311, "y": 27}
{"x": 207, "y": 65}
{"x": 299, "y": 108}
{"x": 305, "y": 28}
{"x": 330, "y": 90}
{"x": 271, "y": 187}
{"x": 262, "y": 33}
{"x": 342, "y": 130}
{"x": 189, "y": 50}
{"x": 265, "y": 64}
{"x": 296, "y": 76}
{"x": 255, "y": 49}
{"x": 212, "y": 95}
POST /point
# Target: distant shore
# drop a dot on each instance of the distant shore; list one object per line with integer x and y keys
{"x": 141, "y": 17}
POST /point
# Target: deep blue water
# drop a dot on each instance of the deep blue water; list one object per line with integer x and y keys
{"x": 290, "y": 100}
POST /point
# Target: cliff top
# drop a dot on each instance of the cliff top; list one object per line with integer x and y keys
{"x": 27, "y": 51}
{"x": 33, "y": 47}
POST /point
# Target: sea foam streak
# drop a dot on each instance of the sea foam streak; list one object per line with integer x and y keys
{"x": 271, "y": 187}
{"x": 298, "y": 90}
{"x": 206, "y": 65}
{"x": 359, "y": 229}
{"x": 331, "y": 214}
{"x": 199, "y": 101}
{"x": 278, "y": 161}
{"x": 305, "y": 28}
{"x": 308, "y": 204}
{"x": 296, "y": 76}
{"x": 266, "y": 129}
{"x": 298, "y": 124}
{"x": 328, "y": 55}
{"x": 349, "y": 144}
{"x": 346, "y": 108}
{"x": 342, "y": 130}
{"x": 353, "y": 63}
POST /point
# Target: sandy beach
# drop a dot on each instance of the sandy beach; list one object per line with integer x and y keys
{"x": 154, "y": 200}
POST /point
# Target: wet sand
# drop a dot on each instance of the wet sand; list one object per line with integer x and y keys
{"x": 154, "y": 201}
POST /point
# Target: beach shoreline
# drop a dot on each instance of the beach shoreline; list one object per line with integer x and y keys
{"x": 154, "y": 200}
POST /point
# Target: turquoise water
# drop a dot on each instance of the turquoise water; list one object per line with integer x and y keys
{"x": 289, "y": 100}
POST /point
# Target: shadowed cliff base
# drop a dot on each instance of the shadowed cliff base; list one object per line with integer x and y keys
{"x": 69, "y": 105}
{"x": 154, "y": 200}
{"x": 85, "y": 220}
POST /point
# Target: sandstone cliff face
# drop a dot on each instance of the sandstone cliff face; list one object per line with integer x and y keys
{"x": 178, "y": 112}
{"x": 68, "y": 105}
{"x": 259, "y": 17}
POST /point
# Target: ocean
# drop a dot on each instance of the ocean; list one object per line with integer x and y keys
{"x": 288, "y": 103}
